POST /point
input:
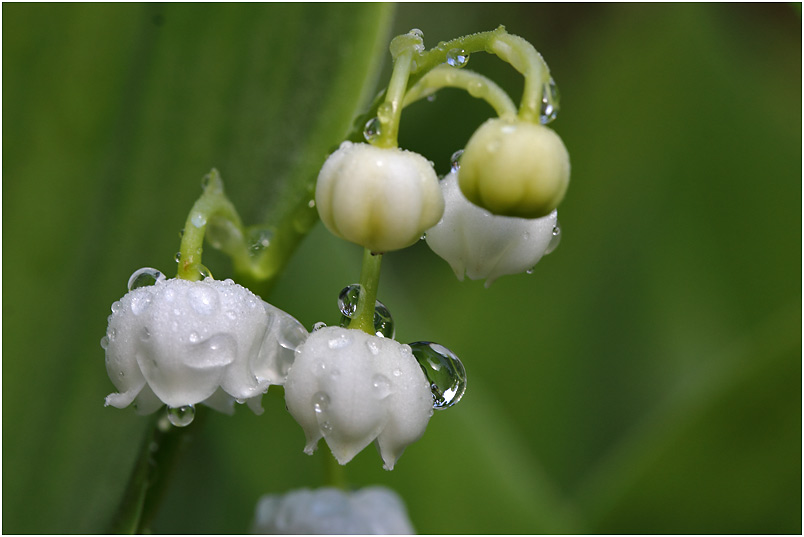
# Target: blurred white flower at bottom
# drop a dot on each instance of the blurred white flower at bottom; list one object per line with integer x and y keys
{"x": 368, "y": 511}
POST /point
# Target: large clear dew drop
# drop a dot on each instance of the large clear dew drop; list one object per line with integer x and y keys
{"x": 144, "y": 277}
{"x": 347, "y": 303}
{"x": 550, "y": 99}
{"x": 181, "y": 416}
{"x": 444, "y": 372}
{"x": 372, "y": 130}
{"x": 457, "y": 57}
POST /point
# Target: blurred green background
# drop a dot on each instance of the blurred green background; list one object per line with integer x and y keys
{"x": 646, "y": 378}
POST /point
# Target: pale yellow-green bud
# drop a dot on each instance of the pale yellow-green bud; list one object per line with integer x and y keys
{"x": 514, "y": 168}
{"x": 381, "y": 199}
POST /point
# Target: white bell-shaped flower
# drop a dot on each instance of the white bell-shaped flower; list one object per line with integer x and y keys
{"x": 350, "y": 388}
{"x": 483, "y": 245}
{"x": 381, "y": 199}
{"x": 330, "y": 511}
{"x": 178, "y": 343}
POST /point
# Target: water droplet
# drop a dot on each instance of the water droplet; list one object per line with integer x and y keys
{"x": 205, "y": 181}
{"x": 194, "y": 337}
{"x": 455, "y": 161}
{"x": 380, "y": 386}
{"x": 145, "y": 335}
{"x": 550, "y": 98}
{"x": 320, "y": 402}
{"x": 311, "y": 204}
{"x": 104, "y": 342}
{"x": 397, "y": 372}
{"x": 373, "y": 347}
{"x": 383, "y": 322}
{"x": 181, "y": 416}
{"x": 457, "y": 57}
{"x": 326, "y": 427}
{"x": 319, "y": 325}
{"x": 144, "y": 277}
{"x": 431, "y": 97}
{"x": 555, "y": 239}
{"x": 347, "y": 303}
{"x": 181, "y": 233}
{"x": 198, "y": 219}
{"x": 372, "y": 130}
{"x": 259, "y": 240}
{"x": 204, "y": 272}
{"x": 116, "y": 306}
{"x": 444, "y": 372}
{"x": 177, "y": 257}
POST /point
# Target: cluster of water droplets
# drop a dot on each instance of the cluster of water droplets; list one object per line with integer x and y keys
{"x": 347, "y": 304}
{"x": 550, "y": 100}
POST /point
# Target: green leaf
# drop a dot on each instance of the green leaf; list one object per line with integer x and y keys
{"x": 113, "y": 114}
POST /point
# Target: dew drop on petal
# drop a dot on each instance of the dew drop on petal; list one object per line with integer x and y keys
{"x": 144, "y": 277}
{"x": 444, "y": 372}
{"x": 457, "y": 57}
{"x": 116, "y": 306}
{"x": 372, "y": 130}
{"x": 181, "y": 416}
{"x": 104, "y": 342}
{"x": 555, "y": 239}
{"x": 380, "y": 386}
{"x": 320, "y": 402}
{"x": 319, "y": 325}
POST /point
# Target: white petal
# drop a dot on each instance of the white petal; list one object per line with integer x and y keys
{"x": 368, "y": 511}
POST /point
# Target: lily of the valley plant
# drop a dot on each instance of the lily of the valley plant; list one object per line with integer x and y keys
{"x": 173, "y": 344}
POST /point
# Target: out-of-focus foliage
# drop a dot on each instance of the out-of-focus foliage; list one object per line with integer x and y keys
{"x": 646, "y": 378}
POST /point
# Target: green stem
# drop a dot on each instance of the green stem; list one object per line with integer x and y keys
{"x": 161, "y": 446}
{"x": 363, "y": 318}
{"x": 334, "y": 473}
{"x": 474, "y": 83}
{"x": 402, "y": 49}
{"x": 212, "y": 205}
{"x": 525, "y": 59}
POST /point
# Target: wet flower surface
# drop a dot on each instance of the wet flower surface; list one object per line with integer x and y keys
{"x": 483, "y": 245}
{"x": 351, "y": 388}
{"x": 179, "y": 343}
{"x": 368, "y": 511}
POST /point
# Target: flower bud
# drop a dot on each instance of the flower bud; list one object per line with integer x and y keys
{"x": 350, "y": 388}
{"x": 381, "y": 199}
{"x": 515, "y": 168}
{"x": 178, "y": 343}
{"x": 329, "y": 511}
{"x": 483, "y": 245}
